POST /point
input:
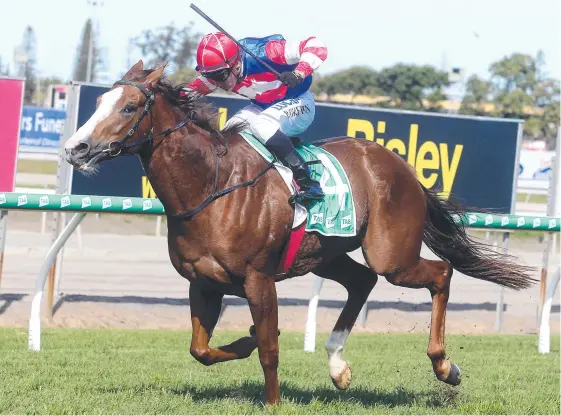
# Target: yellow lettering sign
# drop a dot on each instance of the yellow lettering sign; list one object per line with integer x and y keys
{"x": 147, "y": 190}
{"x": 223, "y": 114}
{"x": 432, "y": 163}
{"x": 449, "y": 169}
{"x": 363, "y": 126}
{"x": 430, "y": 160}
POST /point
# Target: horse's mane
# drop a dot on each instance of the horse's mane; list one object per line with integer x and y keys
{"x": 204, "y": 114}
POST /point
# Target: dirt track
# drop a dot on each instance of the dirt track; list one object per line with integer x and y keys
{"x": 122, "y": 278}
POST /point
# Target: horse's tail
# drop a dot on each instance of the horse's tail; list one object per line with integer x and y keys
{"x": 449, "y": 241}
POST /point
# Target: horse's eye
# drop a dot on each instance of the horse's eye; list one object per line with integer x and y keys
{"x": 129, "y": 109}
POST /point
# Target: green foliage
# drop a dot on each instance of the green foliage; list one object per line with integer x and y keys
{"x": 81, "y": 61}
{"x": 407, "y": 86}
{"x": 355, "y": 80}
{"x": 518, "y": 88}
{"x": 27, "y": 68}
{"x": 172, "y": 44}
{"x": 478, "y": 93}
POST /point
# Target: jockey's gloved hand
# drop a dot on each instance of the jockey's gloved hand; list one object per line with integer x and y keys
{"x": 290, "y": 79}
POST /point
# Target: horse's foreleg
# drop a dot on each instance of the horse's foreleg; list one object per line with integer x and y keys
{"x": 205, "y": 310}
{"x": 263, "y": 304}
{"x": 359, "y": 281}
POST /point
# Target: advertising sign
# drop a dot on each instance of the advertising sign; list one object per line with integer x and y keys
{"x": 11, "y": 101}
{"x": 471, "y": 158}
{"x": 41, "y": 129}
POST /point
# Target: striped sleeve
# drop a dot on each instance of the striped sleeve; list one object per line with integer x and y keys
{"x": 308, "y": 54}
{"x": 201, "y": 85}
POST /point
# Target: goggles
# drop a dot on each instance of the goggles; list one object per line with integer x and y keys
{"x": 221, "y": 75}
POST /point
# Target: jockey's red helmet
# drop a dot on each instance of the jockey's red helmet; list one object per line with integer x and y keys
{"x": 216, "y": 51}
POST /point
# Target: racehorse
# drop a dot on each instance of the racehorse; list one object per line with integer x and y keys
{"x": 230, "y": 214}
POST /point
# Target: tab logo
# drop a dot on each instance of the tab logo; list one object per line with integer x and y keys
{"x": 22, "y": 200}
{"x": 2, "y": 198}
{"x": 317, "y": 219}
{"x": 346, "y": 221}
{"x": 86, "y": 202}
{"x": 105, "y": 203}
{"x": 146, "y": 205}
{"x": 472, "y": 219}
{"x": 521, "y": 221}
{"x": 456, "y": 218}
{"x": 127, "y": 203}
{"x": 552, "y": 223}
{"x": 330, "y": 222}
{"x": 504, "y": 221}
{"x": 64, "y": 201}
{"x": 537, "y": 222}
{"x": 488, "y": 220}
{"x": 44, "y": 200}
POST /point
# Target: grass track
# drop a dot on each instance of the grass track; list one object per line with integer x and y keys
{"x": 139, "y": 372}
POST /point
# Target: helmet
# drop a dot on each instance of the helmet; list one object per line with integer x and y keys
{"x": 216, "y": 51}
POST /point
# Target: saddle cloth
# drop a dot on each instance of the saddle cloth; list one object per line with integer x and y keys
{"x": 334, "y": 215}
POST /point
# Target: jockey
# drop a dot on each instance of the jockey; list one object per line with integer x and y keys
{"x": 280, "y": 107}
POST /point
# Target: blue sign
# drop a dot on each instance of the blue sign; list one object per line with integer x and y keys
{"x": 40, "y": 129}
{"x": 471, "y": 159}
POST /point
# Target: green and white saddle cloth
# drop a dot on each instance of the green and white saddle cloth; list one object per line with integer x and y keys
{"x": 335, "y": 214}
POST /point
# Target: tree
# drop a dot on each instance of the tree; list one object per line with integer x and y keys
{"x": 478, "y": 94}
{"x": 27, "y": 57}
{"x": 410, "y": 86}
{"x": 81, "y": 61}
{"x": 521, "y": 90}
{"x": 171, "y": 44}
{"x": 355, "y": 80}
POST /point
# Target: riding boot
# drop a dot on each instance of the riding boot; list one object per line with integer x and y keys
{"x": 281, "y": 145}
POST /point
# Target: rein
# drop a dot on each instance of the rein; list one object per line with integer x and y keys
{"x": 116, "y": 147}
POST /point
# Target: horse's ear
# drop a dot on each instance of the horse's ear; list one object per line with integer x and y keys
{"x": 139, "y": 66}
{"x": 152, "y": 80}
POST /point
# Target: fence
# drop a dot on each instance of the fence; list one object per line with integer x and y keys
{"x": 82, "y": 204}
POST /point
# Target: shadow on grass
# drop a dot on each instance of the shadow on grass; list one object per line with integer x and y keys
{"x": 253, "y": 392}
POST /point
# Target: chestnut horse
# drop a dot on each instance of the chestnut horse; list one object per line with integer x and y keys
{"x": 229, "y": 218}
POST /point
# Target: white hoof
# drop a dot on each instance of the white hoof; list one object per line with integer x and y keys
{"x": 343, "y": 379}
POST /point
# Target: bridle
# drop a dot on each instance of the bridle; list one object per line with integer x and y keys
{"x": 115, "y": 148}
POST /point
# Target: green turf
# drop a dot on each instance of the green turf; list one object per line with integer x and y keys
{"x": 132, "y": 372}
{"x": 36, "y": 166}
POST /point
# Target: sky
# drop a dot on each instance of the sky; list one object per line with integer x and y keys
{"x": 469, "y": 34}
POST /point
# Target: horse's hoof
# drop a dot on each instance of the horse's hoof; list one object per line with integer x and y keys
{"x": 455, "y": 376}
{"x": 343, "y": 380}
{"x": 253, "y": 333}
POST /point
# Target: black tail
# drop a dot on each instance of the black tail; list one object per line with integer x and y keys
{"x": 449, "y": 241}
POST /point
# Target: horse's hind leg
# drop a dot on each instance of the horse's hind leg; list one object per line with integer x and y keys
{"x": 359, "y": 281}
{"x": 205, "y": 310}
{"x": 435, "y": 275}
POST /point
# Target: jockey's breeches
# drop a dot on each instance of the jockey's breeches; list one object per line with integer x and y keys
{"x": 292, "y": 116}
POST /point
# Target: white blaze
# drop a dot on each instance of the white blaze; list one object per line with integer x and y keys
{"x": 334, "y": 346}
{"x": 106, "y": 107}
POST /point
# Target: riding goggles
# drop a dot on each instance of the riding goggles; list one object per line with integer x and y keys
{"x": 221, "y": 75}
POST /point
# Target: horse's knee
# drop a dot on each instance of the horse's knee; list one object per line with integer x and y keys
{"x": 202, "y": 355}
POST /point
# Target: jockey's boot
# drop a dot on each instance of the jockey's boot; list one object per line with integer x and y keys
{"x": 281, "y": 145}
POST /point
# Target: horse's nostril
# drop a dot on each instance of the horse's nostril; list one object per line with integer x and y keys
{"x": 81, "y": 149}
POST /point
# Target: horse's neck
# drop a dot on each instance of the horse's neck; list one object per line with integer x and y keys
{"x": 182, "y": 167}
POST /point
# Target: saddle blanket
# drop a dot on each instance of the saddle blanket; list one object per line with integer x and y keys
{"x": 334, "y": 215}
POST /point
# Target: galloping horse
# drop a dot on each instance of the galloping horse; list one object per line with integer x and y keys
{"x": 229, "y": 218}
